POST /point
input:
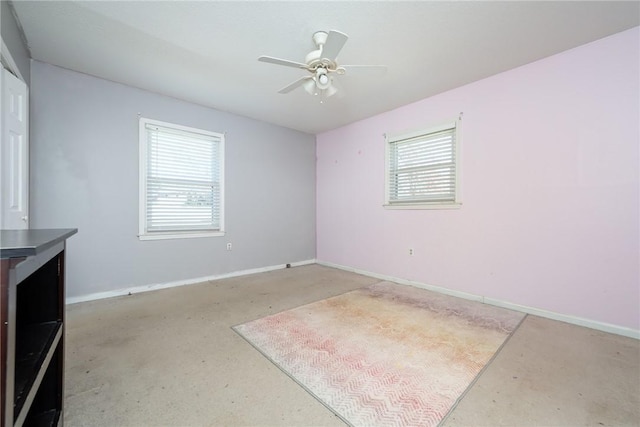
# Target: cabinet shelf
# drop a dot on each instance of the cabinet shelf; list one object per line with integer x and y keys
{"x": 33, "y": 353}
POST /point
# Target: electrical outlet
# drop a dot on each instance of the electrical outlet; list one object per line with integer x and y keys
{"x": 228, "y": 246}
{"x": 411, "y": 251}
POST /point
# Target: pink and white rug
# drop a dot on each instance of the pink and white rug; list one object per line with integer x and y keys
{"x": 387, "y": 354}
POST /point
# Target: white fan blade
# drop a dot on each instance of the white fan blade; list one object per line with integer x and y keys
{"x": 295, "y": 84}
{"x": 368, "y": 70}
{"x": 285, "y": 62}
{"x": 333, "y": 45}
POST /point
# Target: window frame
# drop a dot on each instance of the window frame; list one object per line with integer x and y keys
{"x": 143, "y": 233}
{"x": 425, "y": 204}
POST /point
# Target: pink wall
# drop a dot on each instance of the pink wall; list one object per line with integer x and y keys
{"x": 550, "y": 188}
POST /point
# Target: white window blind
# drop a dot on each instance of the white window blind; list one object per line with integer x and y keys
{"x": 422, "y": 168}
{"x": 183, "y": 189}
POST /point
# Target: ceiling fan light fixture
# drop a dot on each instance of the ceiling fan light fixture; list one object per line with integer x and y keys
{"x": 310, "y": 87}
{"x": 322, "y": 79}
{"x": 330, "y": 91}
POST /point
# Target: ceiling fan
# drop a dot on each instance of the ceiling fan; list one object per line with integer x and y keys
{"x": 322, "y": 66}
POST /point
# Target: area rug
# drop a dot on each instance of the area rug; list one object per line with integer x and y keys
{"x": 387, "y": 354}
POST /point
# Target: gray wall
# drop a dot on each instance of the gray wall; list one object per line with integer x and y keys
{"x": 13, "y": 39}
{"x": 84, "y": 174}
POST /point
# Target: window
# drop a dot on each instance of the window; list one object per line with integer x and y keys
{"x": 181, "y": 181}
{"x": 422, "y": 168}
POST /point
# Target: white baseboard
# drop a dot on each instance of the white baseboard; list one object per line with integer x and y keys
{"x": 192, "y": 281}
{"x": 438, "y": 289}
{"x": 593, "y": 324}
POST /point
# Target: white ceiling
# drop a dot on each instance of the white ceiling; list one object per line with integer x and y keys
{"x": 206, "y": 52}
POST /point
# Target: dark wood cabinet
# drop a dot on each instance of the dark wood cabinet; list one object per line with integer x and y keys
{"x": 32, "y": 328}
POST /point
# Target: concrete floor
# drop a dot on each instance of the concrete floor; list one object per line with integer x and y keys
{"x": 170, "y": 358}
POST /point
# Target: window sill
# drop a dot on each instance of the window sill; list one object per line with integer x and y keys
{"x": 424, "y": 206}
{"x": 174, "y": 235}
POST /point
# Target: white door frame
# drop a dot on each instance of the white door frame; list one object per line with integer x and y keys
{"x": 8, "y": 62}
{"x": 17, "y": 176}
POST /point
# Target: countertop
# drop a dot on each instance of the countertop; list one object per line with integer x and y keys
{"x": 24, "y": 243}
